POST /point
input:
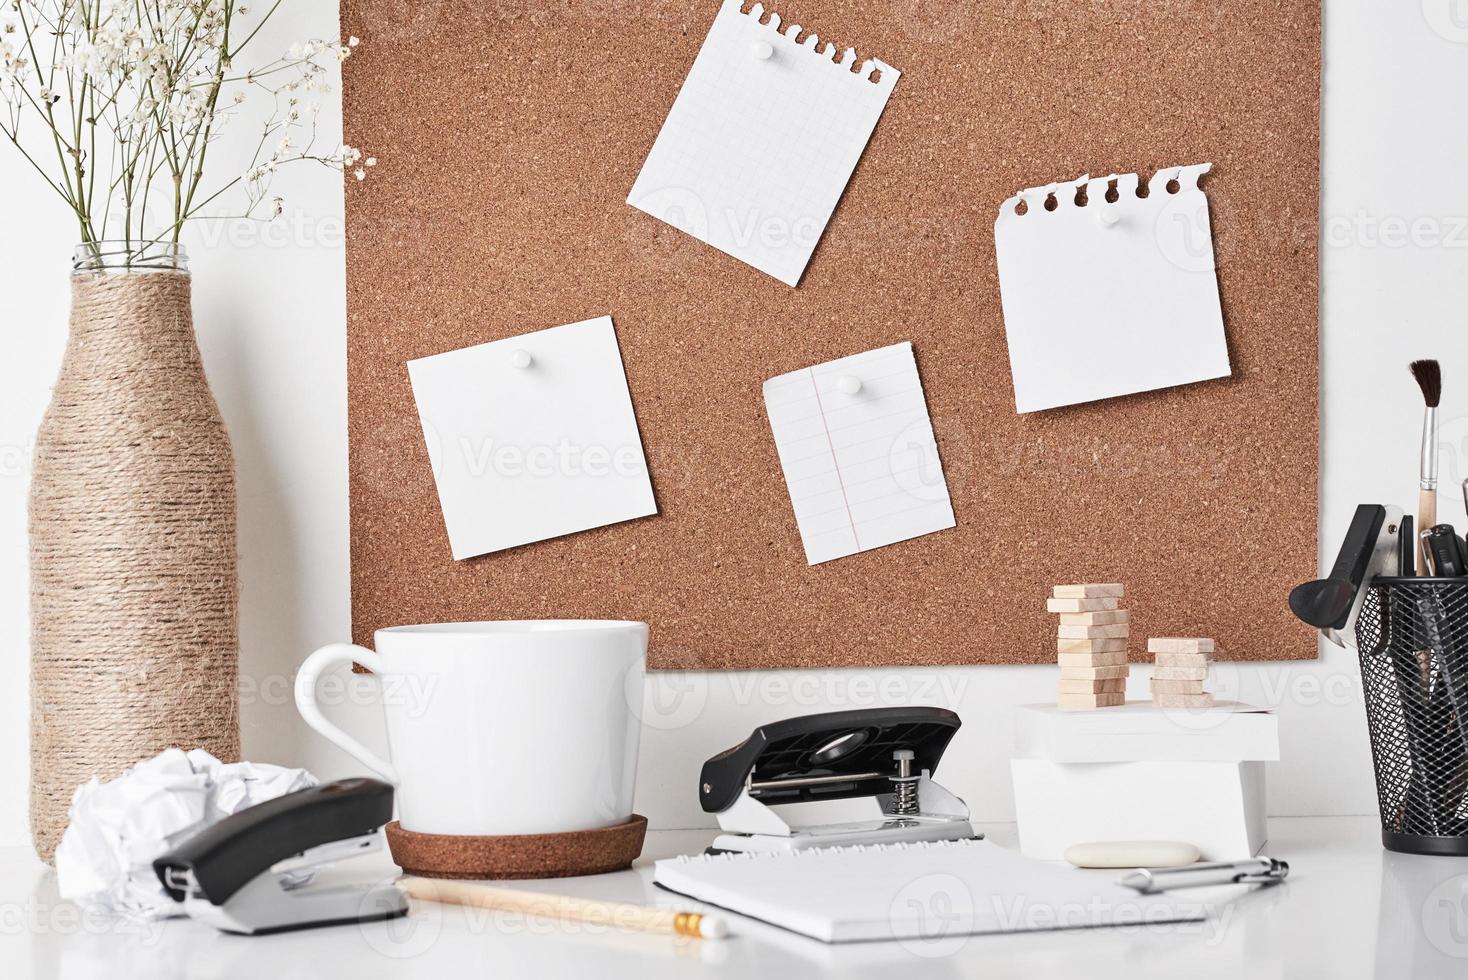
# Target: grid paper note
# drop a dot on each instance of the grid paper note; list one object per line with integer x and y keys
{"x": 761, "y": 140}
{"x": 861, "y": 465}
{"x": 1113, "y": 296}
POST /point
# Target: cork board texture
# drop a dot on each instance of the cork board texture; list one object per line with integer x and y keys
{"x": 508, "y": 137}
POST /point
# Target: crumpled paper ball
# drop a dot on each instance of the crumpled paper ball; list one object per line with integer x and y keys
{"x": 119, "y": 827}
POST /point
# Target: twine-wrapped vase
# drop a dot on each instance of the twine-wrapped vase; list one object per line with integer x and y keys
{"x": 133, "y": 563}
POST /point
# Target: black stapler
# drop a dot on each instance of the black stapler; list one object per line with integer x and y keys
{"x": 883, "y": 755}
{"x": 233, "y": 874}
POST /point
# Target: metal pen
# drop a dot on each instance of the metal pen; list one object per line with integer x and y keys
{"x": 1255, "y": 871}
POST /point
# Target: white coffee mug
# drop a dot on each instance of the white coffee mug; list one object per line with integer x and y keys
{"x": 526, "y": 727}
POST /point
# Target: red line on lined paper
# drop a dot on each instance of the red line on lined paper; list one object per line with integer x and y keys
{"x": 820, "y": 407}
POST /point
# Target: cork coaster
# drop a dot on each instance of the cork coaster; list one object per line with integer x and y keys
{"x": 583, "y": 852}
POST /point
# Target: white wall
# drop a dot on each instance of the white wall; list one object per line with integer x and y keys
{"x": 1394, "y": 287}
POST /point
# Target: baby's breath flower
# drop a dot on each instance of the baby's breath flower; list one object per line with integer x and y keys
{"x": 166, "y": 66}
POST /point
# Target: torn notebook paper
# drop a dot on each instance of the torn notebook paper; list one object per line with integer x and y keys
{"x": 762, "y": 139}
{"x": 1106, "y": 293}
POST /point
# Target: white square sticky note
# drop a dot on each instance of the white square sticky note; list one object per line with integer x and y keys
{"x": 532, "y": 437}
{"x": 858, "y": 452}
{"x": 1112, "y": 296}
{"x": 761, "y": 140}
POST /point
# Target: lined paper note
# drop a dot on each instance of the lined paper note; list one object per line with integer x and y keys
{"x": 861, "y": 465}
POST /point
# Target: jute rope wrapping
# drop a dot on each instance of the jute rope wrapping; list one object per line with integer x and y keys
{"x": 134, "y": 584}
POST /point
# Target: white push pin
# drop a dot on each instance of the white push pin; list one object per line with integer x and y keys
{"x": 1108, "y": 216}
{"x": 520, "y": 359}
{"x": 848, "y": 384}
{"x": 762, "y": 50}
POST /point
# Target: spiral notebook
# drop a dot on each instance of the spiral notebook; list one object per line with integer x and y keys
{"x": 922, "y": 891}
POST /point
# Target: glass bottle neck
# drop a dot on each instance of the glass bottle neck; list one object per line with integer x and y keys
{"x": 129, "y": 256}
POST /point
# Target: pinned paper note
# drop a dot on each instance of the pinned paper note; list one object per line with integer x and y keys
{"x": 857, "y": 448}
{"x": 1106, "y": 293}
{"x": 532, "y": 437}
{"x": 762, "y": 139}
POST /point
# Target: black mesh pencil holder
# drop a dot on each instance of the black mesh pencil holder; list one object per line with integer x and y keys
{"x": 1413, "y": 639}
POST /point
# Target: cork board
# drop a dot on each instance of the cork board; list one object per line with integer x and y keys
{"x": 508, "y": 136}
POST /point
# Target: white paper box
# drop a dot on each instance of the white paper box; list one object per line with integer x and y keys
{"x": 1219, "y": 807}
{"x": 1137, "y": 731}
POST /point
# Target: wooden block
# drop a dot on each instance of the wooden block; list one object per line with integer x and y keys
{"x": 1181, "y": 659}
{"x": 1109, "y": 617}
{"x": 1111, "y": 591}
{"x": 1079, "y": 605}
{"x": 1182, "y": 700}
{"x": 1071, "y": 685}
{"x": 1111, "y": 658}
{"x": 1113, "y": 631}
{"x": 1094, "y": 673}
{"x": 1178, "y": 644}
{"x": 1082, "y": 701}
{"x": 1091, "y": 646}
{"x": 1177, "y": 687}
{"x": 1179, "y": 673}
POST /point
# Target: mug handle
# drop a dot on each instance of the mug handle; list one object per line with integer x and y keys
{"x": 317, "y": 664}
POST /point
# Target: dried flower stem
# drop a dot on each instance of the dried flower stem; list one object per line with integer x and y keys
{"x": 135, "y": 88}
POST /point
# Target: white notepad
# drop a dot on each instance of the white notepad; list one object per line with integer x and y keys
{"x": 532, "y": 437}
{"x": 914, "y": 891}
{"x": 1109, "y": 298}
{"x": 861, "y": 465}
{"x": 761, "y": 140}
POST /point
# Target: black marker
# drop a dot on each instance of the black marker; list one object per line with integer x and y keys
{"x": 1406, "y": 542}
{"x": 1444, "y": 550}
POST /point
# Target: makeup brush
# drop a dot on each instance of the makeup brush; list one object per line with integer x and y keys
{"x": 1429, "y": 375}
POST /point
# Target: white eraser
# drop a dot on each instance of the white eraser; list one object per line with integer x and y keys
{"x": 1132, "y": 854}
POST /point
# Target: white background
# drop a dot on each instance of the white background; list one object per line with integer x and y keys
{"x": 271, "y": 321}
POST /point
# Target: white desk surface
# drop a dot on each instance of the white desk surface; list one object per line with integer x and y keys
{"x": 1349, "y": 909}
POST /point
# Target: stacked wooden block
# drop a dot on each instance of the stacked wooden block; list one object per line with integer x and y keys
{"x": 1092, "y": 645}
{"x": 1182, "y": 667}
